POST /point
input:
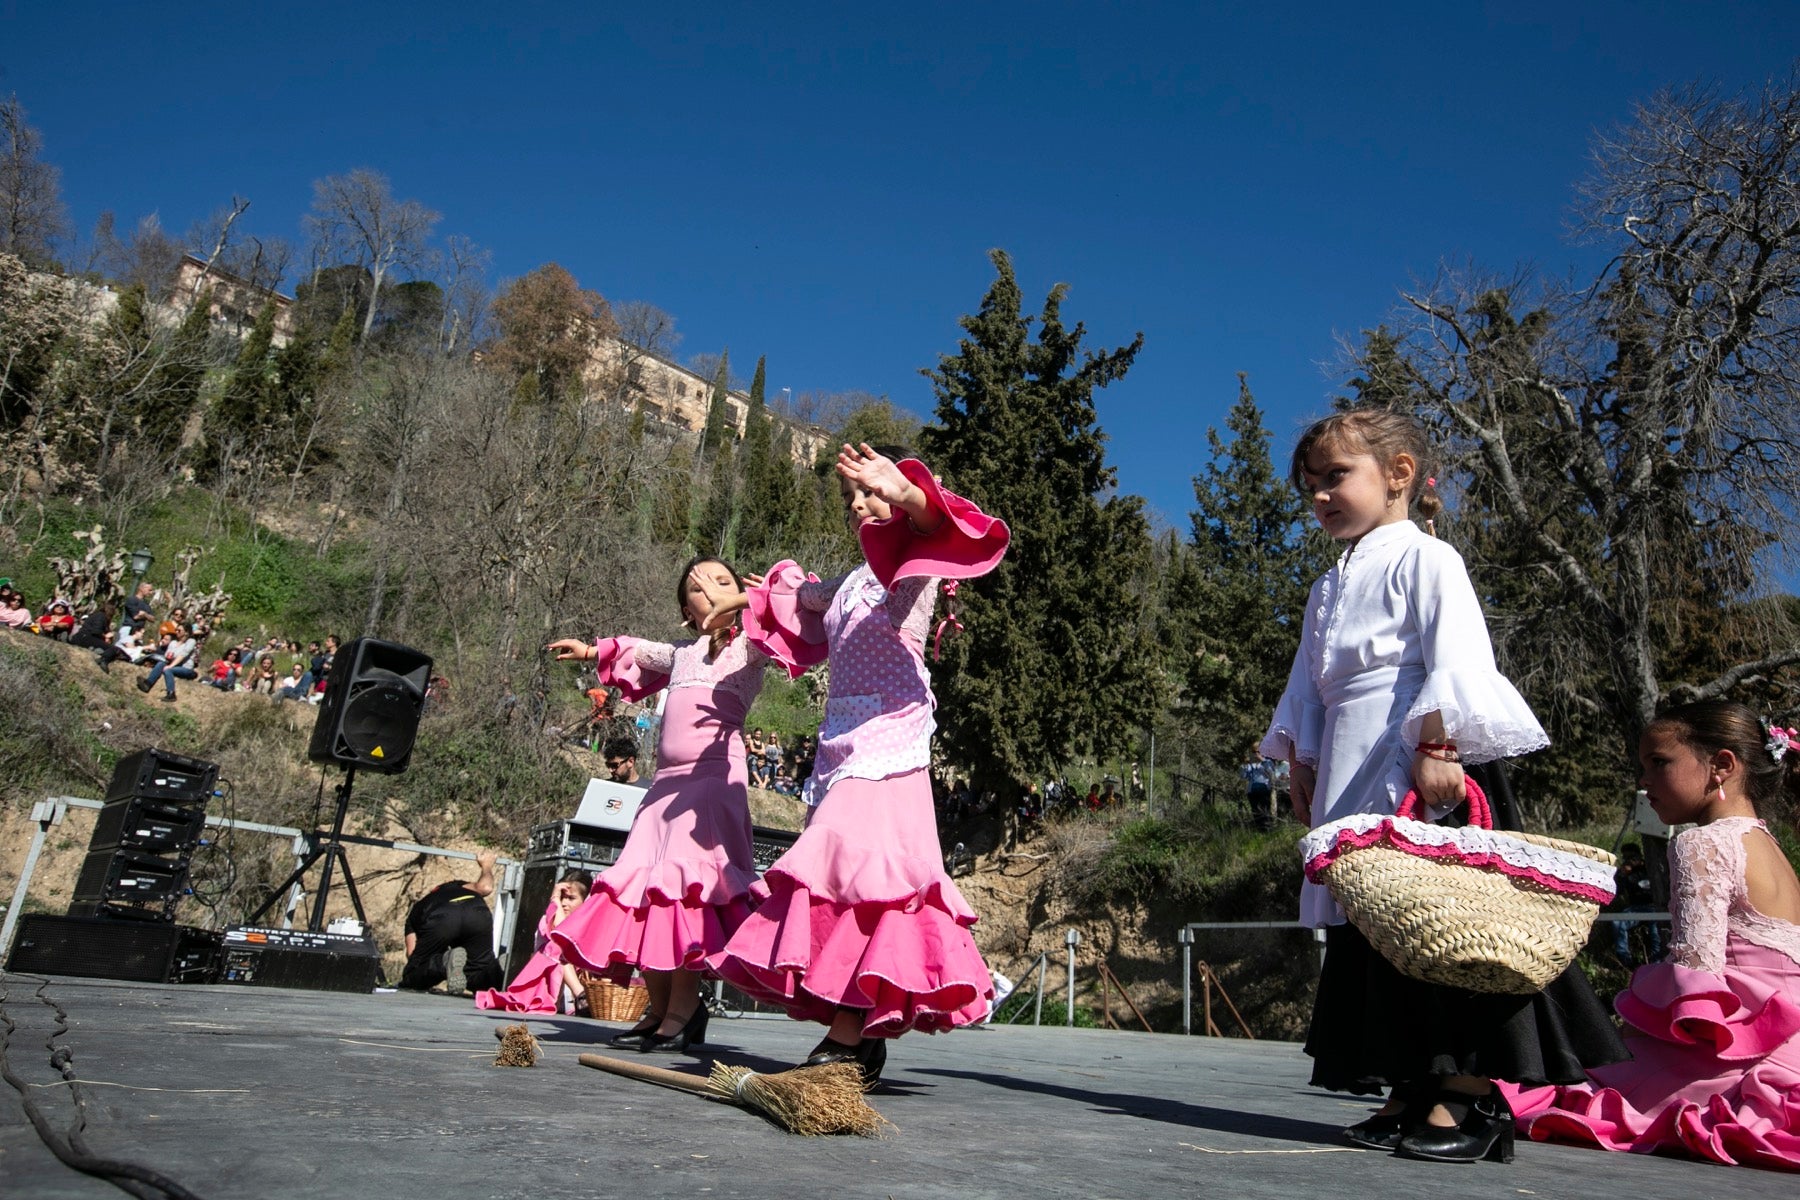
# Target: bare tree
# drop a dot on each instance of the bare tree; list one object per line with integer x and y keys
{"x": 356, "y": 214}
{"x": 463, "y": 267}
{"x": 32, "y": 216}
{"x": 1637, "y": 441}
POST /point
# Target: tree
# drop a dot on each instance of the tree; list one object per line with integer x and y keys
{"x": 761, "y": 519}
{"x": 549, "y": 330}
{"x": 1057, "y": 658}
{"x": 32, "y": 216}
{"x": 718, "y": 428}
{"x": 356, "y": 213}
{"x": 1238, "y": 594}
{"x": 1632, "y": 445}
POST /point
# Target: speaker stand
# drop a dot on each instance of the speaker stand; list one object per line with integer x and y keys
{"x": 331, "y": 850}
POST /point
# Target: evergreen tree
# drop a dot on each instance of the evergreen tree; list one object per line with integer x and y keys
{"x": 1243, "y": 591}
{"x": 239, "y": 417}
{"x": 759, "y": 523}
{"x": 718, "y": 414}
{"x": 164, "y": 415}
{"x": 1057, "y": 657}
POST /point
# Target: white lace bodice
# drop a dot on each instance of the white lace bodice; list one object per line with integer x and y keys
{"x": 738, "y": 668}
{"x": 1710, "y": 900}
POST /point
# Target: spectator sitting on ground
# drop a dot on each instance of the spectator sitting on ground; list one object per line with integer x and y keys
{"x": 92, "y": 633}
{"x": 263, "y": 679}
{"x": 57, "y": 621}
{"x": 13, "y": 612}
{"x": 226, "y": 669}
{"x": 172, "y": 625}
{"x": 176, "y": 660}
{"x": 297, "y": 686}
{"x": 128, "y": 643}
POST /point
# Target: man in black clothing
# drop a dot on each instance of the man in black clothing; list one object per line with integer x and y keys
{"x": 449, "y": 932}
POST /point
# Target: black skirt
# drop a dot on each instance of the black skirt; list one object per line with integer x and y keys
{"x": 1373, "y": 1027}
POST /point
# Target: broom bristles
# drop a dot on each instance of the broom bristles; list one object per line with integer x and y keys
{"x": 805, "y": 1100}
{"x": 517, "y": 1048}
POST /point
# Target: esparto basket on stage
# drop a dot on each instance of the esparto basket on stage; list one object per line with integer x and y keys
{"x": 1474, "y": 908}
{"x": 609, "y": 1001}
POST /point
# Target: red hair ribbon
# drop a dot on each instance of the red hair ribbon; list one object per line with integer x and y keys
{"x": 937, "y": 639}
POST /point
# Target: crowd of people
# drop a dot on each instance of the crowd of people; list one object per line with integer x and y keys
{"x": 779, "y": 768}
{"x": 178, "y": 647}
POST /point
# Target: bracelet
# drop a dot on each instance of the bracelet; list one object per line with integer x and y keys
{"x": 1435, "y": 746}
{"x": 1447, "y": 754}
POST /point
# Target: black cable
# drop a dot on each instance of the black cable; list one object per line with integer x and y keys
{"x": 72, "y": 1151}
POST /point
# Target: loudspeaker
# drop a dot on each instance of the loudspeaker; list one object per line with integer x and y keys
{"x": 118, "y": 882}
{"x": 158, "y": 775}
{"x": 374, "y": 697}
{"x": 295, "y": 958}
{"x": 148, "y": 826}
{"x": 93, "y": 948}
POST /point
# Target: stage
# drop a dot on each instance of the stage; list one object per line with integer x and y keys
{"x": 238, "y": 1092}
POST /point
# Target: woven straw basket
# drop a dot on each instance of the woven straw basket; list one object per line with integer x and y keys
{"x": 1470, "y": 922}
{"x": 609, "y": 1001}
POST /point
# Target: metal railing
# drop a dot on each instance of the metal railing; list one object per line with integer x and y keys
{"x": 50, "y": 813}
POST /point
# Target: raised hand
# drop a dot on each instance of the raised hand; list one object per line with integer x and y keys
{"x": 874, "y": 473}
{"x": 567, "y": 648}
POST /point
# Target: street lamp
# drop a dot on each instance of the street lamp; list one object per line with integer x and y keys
{"x": 141, "y": 558}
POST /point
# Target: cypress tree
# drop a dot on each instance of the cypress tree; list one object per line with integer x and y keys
{"x": 718, "y": 415}
{"x": 1058, "y": 657}
{"x": 758, "y": 523}
{"x": 164, "y": 415}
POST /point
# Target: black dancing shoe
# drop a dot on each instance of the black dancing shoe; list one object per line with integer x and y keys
{"x": 1485, "y": 1131}
{"x": 633, "y": 1038}
{"x": 869, "y": 1055}
{"x": 1383, "y": 1131}
{"x": 693, "y": 1033}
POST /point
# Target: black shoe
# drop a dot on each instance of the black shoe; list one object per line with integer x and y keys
{"x": 633, "y": 1038}
{"x": 1485, "y": 1131}
{"x": 144, "y": 685}
{"x": 870, "y": 1056}
{"x": 1384, "y": 1131}
{"x": 691, "y": 1034}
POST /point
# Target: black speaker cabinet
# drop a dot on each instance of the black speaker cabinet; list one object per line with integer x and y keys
{"x": 374, "y": 697}
{"x": 158, "y": 775}
{"x": 148, "y": 826}
{"x": 295, "y": 958}
{"x": 114, "y": 877}
{"x": 93, "y": 948}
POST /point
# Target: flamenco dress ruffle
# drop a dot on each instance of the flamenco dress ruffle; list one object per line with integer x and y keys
{"x": 681, "y": 885}
{"x": 537, "y": 986}
{"x": 859, "y": 914}
{"x": 1715, "y": 1071}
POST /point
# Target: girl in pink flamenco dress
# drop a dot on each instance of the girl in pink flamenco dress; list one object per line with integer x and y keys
{"x": 1715, "y": 1072}
{"x": 681, "y": 885}
{"x": 538, "y": 986}
{"x": 859, "y": 928}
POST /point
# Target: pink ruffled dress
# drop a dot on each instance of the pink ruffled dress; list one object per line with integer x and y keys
{"x": 859, "y": 913}
{"x": 1715, "y": 1071}
{"x": 538, "y": 984}
{"x": 681, "y": 885}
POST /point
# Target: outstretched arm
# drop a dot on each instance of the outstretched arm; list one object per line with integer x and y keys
{"x": 484, "y": 883}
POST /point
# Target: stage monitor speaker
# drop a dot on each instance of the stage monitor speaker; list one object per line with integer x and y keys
{"x": 93, "y": 948}
{"x": 158, "y": 775}
{"x": 148, "y": 826}
{"x": 374, "y": 697}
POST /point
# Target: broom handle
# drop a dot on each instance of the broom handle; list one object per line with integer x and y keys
{"x": 632, "y": 1070}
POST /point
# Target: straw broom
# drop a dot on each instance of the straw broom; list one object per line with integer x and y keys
{"x": 805, "y": 1100}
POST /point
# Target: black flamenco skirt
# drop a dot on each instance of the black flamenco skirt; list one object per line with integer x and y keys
{"x": 1373, "y": 1027}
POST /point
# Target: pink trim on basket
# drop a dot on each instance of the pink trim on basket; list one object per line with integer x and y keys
{"x": 1386, "y": 832}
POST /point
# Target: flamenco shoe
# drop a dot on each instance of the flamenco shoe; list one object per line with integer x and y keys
{"x": 693, "y": 1033}
{"x": 1383, "y": 1131}
{"x": 1485, "y": 1131}
{"x": 869, "y": 1055}
{"x": 633, "y": 1038}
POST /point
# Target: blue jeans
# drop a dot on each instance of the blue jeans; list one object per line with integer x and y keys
{"x": 169, "y": 675}
{"x": 1622, "y": 934}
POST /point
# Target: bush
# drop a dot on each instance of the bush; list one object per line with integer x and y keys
{"x": 45, "y": 743}
{"x": 1018, "y": 1009}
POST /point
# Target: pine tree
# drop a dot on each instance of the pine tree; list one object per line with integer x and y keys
{"x": 242, "y": 411}
{"x": 1254, "y": 557}
{"x": 164, "y": 415}
{"x": 1057, "y": 657}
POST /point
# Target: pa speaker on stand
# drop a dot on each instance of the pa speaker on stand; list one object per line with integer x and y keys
{"x": 373, "y": 700}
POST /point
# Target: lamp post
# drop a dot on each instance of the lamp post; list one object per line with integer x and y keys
{"x": 141, "y": 558}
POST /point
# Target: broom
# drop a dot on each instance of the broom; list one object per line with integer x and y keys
{"x": 805, "y": 1100}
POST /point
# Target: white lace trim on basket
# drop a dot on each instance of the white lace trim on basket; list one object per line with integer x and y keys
{"x": 1470, "y": 846}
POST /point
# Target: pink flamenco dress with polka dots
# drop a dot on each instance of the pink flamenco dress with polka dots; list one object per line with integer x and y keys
{"x": 1715, "y": 1068}
{"x": 681, "y": 885}
{"x": 859, "y": 913}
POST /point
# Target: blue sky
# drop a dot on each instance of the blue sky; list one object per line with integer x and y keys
{"x": 821, "y": 183}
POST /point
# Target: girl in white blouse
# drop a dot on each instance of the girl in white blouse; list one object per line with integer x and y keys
{"x": 1394, "y": 688}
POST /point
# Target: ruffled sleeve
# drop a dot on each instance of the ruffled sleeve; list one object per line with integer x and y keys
{"x": 966, "y": 544}
{"x": 639, "y": 669}
{"x": 1299, "y": 722}
{"x": 1706, "y": 869}
{"x": 1483, "y": 713}
{"x": 780, "y": 622}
